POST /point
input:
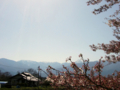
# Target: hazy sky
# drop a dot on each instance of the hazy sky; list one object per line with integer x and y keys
{"x": 51, "y": 30}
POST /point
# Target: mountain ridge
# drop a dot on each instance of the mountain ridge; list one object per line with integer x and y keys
{"x": 15, "y": 66}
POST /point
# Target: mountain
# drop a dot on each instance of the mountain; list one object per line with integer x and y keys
{"x": 78, "y": 61}
{"x": 14, "y": 66}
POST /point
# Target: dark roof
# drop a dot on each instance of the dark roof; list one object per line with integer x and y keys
{"x": 26, "y": 76}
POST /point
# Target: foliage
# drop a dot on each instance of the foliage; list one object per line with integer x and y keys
{"x": 31, "y": 88}
{"x": 4, "y": 76}
{"x": 45, "y": 83}
{"x": 23, "y": 84}
{"x": 80, "y": 79}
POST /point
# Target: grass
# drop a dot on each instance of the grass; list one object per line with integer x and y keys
{"x": 31, "y": 88}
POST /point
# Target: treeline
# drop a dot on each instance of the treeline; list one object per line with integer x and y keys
{"x": 4, "y": 76}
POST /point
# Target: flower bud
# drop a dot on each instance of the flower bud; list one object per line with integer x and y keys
{"x": 80, "y": 55}
{"x": 70, "y": 57}
{"x": 103, "y": 60}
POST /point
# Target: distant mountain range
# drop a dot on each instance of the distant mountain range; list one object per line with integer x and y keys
{"x": 14, "y": 66}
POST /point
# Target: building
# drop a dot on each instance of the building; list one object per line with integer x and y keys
{"x": 24, "y": 79}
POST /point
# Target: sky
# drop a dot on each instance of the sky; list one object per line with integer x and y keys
{"x": 52, "y": 30}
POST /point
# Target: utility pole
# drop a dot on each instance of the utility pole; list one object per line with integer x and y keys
{"x": 38, "y": 74}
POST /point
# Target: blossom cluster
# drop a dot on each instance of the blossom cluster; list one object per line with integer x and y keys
{"x": 79, "y": 79}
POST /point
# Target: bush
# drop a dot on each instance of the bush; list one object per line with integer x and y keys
{"x": 45, "y": 83}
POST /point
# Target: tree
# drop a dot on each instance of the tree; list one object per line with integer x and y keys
{"x": 31, "y": 71}
{"x": 4, "y": 76}
{"x": 80, "y": 79}
{"x": 113, "y": 46}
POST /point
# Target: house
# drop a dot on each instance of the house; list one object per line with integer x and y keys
{"x": 24, "y": 79}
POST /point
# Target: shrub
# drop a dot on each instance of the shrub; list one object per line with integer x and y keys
{"x": 45, "y": 83}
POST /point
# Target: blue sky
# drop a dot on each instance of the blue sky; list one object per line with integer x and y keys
{"x": 51, "y": 30}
